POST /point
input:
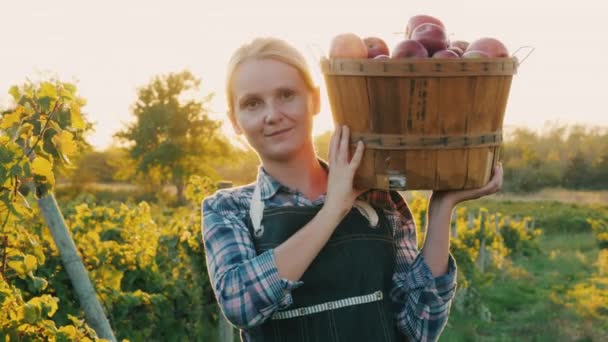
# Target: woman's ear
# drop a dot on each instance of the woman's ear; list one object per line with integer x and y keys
{"x": 316, "y": 100}
{"x": 235, "y": 125}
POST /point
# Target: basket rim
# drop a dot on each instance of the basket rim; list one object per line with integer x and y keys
{"x": 439, "y": 67}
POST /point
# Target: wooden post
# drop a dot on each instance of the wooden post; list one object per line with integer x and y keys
{"x": 481, "y": 257}
{"x": 95, "y": 316}
{"x": 423, "y": 221}
{"x": 226, "y": 330}
{"x": 454, "y": 224}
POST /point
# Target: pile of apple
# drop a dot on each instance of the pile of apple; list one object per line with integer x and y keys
{"x": 425, "y": 36}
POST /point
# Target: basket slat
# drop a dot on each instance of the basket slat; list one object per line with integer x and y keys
{"x": 402, "y": 100}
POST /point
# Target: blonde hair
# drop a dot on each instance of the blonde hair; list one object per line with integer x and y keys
{"x": 266, "y": 47}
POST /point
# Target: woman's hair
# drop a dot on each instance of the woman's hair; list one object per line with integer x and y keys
{"x": 262, "y": 48}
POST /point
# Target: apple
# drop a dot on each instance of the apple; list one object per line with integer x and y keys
{"x": 457, "y": 50}
{"x": 461, "y": 44}
{"x": 491, "y": 46}
{"x": 475, "y": 54}
{"x": 375, "y": 46}
{"x": 432, "y": 36}
{"x": 445, "y": 54}
{"x": 409, "y": 48}
{"x": 347, "y": 45}
{"x": 418, "y": 20}
{"x": 382, "y": 57}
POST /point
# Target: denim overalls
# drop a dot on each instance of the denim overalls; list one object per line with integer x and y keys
{"x": 345, "y": 292}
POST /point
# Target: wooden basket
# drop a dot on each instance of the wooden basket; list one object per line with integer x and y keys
{"x": 433, "y": 124}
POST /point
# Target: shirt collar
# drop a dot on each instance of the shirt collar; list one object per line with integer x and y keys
{"x": 269, "y": 186}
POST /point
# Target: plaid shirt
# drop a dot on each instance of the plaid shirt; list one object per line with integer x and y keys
{"x": 249, "y": 289}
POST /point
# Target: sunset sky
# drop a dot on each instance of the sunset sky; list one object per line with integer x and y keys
{"x": 110, "y": 48}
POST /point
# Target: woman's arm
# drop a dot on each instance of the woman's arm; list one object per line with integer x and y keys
{"x": 250, "y": 287}
{"x": 422, "y": 301}
{"x": 425, "y": 282}
{"x": 437, "y": 241}
{"x": 247, "y": 286}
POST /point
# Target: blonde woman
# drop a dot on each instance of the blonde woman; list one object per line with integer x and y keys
{"x": 301, "y": 255}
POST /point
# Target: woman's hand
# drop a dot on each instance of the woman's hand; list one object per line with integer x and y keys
{"x": 454, "y": 197}
{"x": 341, "y": 194}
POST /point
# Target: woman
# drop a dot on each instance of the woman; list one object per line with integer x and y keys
{"x": 288, "y": 257}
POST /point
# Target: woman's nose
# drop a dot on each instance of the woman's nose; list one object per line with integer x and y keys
{"x": 273, "y": 113}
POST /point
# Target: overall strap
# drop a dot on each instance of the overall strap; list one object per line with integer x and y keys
{"x": 256, "y": 211}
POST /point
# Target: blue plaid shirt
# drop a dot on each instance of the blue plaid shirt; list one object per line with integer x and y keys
{"x": 249, "y": 289}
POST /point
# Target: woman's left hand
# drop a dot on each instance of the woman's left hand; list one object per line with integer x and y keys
{"x": 454, "y": 197}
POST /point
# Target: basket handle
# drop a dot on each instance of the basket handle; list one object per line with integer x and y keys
{"x": 315, "y": 50}
{"x": 531, "y": 49}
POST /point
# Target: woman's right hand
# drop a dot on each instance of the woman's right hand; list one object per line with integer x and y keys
{"x": 341, "y": 194}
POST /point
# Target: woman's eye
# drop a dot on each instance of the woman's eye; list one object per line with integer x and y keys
{"x": 287, "y": 95}
{"x": 252, "y": 104}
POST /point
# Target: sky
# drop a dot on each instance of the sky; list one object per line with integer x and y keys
{"x": 110, "y": 48}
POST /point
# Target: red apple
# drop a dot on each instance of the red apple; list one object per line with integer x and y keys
{"x": 382, "y": 57}
{"x": 457, "y": 50}
{"x": 409, "y": 48}
{"x": 375, "y": 46}
{"x": 461, "y": 44}
{"x": 418, "y": 20}
{"x": 475, "y": 54}
{"x": 432, "y": 36}
{"x": 347, "y": 45}
{"x": 491, "y": 46}
{"x": 445, "y": 54}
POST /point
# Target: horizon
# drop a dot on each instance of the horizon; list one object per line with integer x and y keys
{"x": 110, "y": 49}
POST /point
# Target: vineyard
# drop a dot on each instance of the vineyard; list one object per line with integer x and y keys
{"x": 521, "y": 266}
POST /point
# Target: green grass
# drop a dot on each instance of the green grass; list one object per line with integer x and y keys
{"x": 536, "y": 299}
{"x": 551, "y": 216}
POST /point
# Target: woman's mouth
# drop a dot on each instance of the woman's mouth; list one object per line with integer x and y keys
{"x": 279, "y": 132}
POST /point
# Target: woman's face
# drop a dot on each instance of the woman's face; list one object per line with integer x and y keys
{"x": 273, "y": 108}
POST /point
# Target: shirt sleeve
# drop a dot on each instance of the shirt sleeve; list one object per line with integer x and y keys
{"x": 422, "y": 301}
{"x": 247, "y": 286}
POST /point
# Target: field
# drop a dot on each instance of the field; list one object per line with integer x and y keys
{"x": 560, "y": 292}
{"x": 556, "y": 291}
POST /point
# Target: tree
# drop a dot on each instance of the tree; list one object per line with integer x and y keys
{"x": 44, "y": 128}
{"x": 172, "y": 136}
{"x": 578, "y": 173}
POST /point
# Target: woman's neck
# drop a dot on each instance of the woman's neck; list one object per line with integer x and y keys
{"x": 302, "y": 172}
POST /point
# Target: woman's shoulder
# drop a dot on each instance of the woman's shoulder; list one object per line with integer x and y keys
{"x": 388, "y": 200}
{"x": 230, "y": 199}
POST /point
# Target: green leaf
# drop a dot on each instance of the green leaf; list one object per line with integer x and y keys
{"x": 70, "y": 87}
{"x": 45, "y": 104}
{"x": 8, "y": 120}
{"x": 27, "y": 171}
{"x": 18, "y": 266}
{"x": 15, "y": 93}
{"x": 42, "y": 167}
{"x": 66, "y": 94}
{"x": 30, "y": 263}
{"x": 32, "y": 313}
{"x": 39, "y": 283}
{"x": 21, "y": 208}
{"x": 47, "y": 89}
{"x": 47, "y": 304}
{"x": 67, "y": 333}
{"x": 64, "y": 143}
{"x": 76, "y": 117}
{"x": 15, "y": 170}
